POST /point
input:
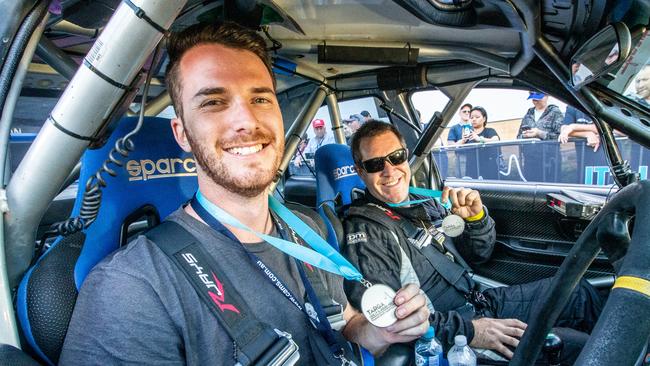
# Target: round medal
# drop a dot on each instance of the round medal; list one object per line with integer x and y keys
{"x": 377, "y": 304}
{"x": 453, "y": 225}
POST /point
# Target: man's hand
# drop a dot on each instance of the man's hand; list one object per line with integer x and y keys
{"x": 412, "y": 322}
{"x": 465, "y": 202}
{"x": 565, "y": 131}
{"x": 297, "y": 161}
{"x": 497, "y": 334}
{"x": 532, "y": 133}
{"x": 593, "y": 140}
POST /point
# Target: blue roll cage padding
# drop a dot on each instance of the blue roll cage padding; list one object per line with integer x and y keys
{"x": 335, "y": 175}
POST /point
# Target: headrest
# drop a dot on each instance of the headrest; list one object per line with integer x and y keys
{"x": 157, "y": 174}
{"x": 335, "y": 174}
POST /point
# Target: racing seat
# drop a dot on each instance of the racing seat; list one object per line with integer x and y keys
{"x": 156, "y": 178}
{"x": 336, "y": 181}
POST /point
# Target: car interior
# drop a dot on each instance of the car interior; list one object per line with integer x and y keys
{"x": 91, "y": 161}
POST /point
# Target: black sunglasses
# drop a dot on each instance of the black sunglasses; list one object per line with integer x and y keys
{"x": 375, "y": 165}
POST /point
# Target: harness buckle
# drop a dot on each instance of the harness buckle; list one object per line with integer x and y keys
{"x": 283, "y": 352}
{"x": 335, "y": 317}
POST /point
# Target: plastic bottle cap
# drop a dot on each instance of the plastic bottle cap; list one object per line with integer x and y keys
{"x": 460, "y": 340}
{"x": 430, "y": 333}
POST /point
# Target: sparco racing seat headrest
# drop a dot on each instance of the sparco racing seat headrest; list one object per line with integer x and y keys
{"x": 336, "y": 178}
{"x": 155, "y": 179}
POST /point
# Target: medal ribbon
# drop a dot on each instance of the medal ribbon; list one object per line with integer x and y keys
{"x": 322, "y": 255}
{"x": 423, "y": 192}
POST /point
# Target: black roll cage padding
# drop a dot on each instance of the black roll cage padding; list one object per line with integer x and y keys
{"x": 610, "y": 342}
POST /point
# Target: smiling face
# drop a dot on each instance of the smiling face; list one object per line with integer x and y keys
{"x": 392, "y": 183}
{"x": 231, "y": 119}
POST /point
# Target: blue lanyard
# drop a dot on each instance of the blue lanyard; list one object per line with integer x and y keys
{"x": 423, "y": 192}
{"x": 322, "y": 255}
{"x": 322, "y": 324}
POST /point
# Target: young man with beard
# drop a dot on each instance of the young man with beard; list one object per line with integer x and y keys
{"x": 136, "y": 307}
{"x": 395, "y": 237}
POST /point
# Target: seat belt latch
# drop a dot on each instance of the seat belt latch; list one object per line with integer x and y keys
{"x": 283, "y": 352}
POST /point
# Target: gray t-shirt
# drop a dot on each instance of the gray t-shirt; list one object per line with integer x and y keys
{"x": 135, "y": 307}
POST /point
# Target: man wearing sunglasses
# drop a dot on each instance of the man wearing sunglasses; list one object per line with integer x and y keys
{"x": 395, "y": 238}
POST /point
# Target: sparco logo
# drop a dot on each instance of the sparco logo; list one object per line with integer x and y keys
{"x": 218, "y": 296}
{"x": 344, "y": 171}
{"x": 162, "y": 168}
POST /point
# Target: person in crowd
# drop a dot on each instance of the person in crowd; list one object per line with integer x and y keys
{"x": 321, "y": 138}
{"x": 578, "y": 124}
{"x": 642, "y": 86}
{"x": 395, "y": 237}
{"x": 353, "y": 123}
{"x": 480, "y": 133}
{"x": 456, "y": 131}
{"x": 138, "y": 307}
{"x": 366, "y": 116}
{"x": 542, "y": 121}
{"x": 300, "y": 169}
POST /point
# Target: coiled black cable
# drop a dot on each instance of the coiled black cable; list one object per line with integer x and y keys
{"x": 17, "y": 48}
{"x": 92, "y": 198}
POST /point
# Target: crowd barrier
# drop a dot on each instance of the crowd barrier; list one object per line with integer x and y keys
{"x": 532, "y": 160}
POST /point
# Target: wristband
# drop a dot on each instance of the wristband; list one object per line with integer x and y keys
{"x": 476, "y": 217}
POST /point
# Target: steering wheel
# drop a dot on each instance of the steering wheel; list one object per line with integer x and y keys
{"x": 623, "y": 327}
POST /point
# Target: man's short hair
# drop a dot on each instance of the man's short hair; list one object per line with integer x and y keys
{"x": 370, "y": 129}
{"x": 466, "y": 105}
{"x": 228, "y": 34}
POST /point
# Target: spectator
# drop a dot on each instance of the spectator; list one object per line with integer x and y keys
{"x": 542, "y": 121}
{"x": 353, "y": 124}
{"x": 480, "y": 133}
{"x": 456, "y": 131}
{"x": 321, "y": 137}
{"x": 298, "y": 169}
{"x": 578, "y": 124}
{"x": 642, "y": 85}
{"x": 359, "y": 118}
{"x": 366, "y": 116}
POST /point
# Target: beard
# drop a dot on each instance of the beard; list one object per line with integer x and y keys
{"x": 241, "y": 180}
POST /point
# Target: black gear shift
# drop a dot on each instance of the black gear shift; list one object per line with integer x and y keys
{"x": 552, "y": 349}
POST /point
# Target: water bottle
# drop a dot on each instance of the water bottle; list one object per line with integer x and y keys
{"x": 428, "y": 350}
{"x": 460, "y": 354}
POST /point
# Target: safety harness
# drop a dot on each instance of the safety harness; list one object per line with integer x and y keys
{"x": 456, "y": 272}
{"x": 255, "y": 342}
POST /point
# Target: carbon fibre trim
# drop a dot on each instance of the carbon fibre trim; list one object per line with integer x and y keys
{"x": 511, "y": 271}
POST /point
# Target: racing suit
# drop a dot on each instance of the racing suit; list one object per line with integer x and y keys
{"x": 387, "y": 254}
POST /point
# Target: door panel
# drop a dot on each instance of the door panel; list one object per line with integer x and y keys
{"x": 532, "y": 239}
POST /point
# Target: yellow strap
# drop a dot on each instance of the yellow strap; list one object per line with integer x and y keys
{"x": 476, "y": 217}
{"x": 633, "y": 283}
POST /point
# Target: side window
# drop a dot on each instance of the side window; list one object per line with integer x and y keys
{"x": 30, "y": 114}
{"x": 517, "y": 135}
{"x": 427, "y": 102}
{"x": 354, "y": 113}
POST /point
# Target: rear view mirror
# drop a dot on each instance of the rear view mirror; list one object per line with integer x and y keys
{"x": 603, "y": 52}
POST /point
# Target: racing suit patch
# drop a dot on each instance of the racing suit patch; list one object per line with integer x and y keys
{"x": 354, "y": 238}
